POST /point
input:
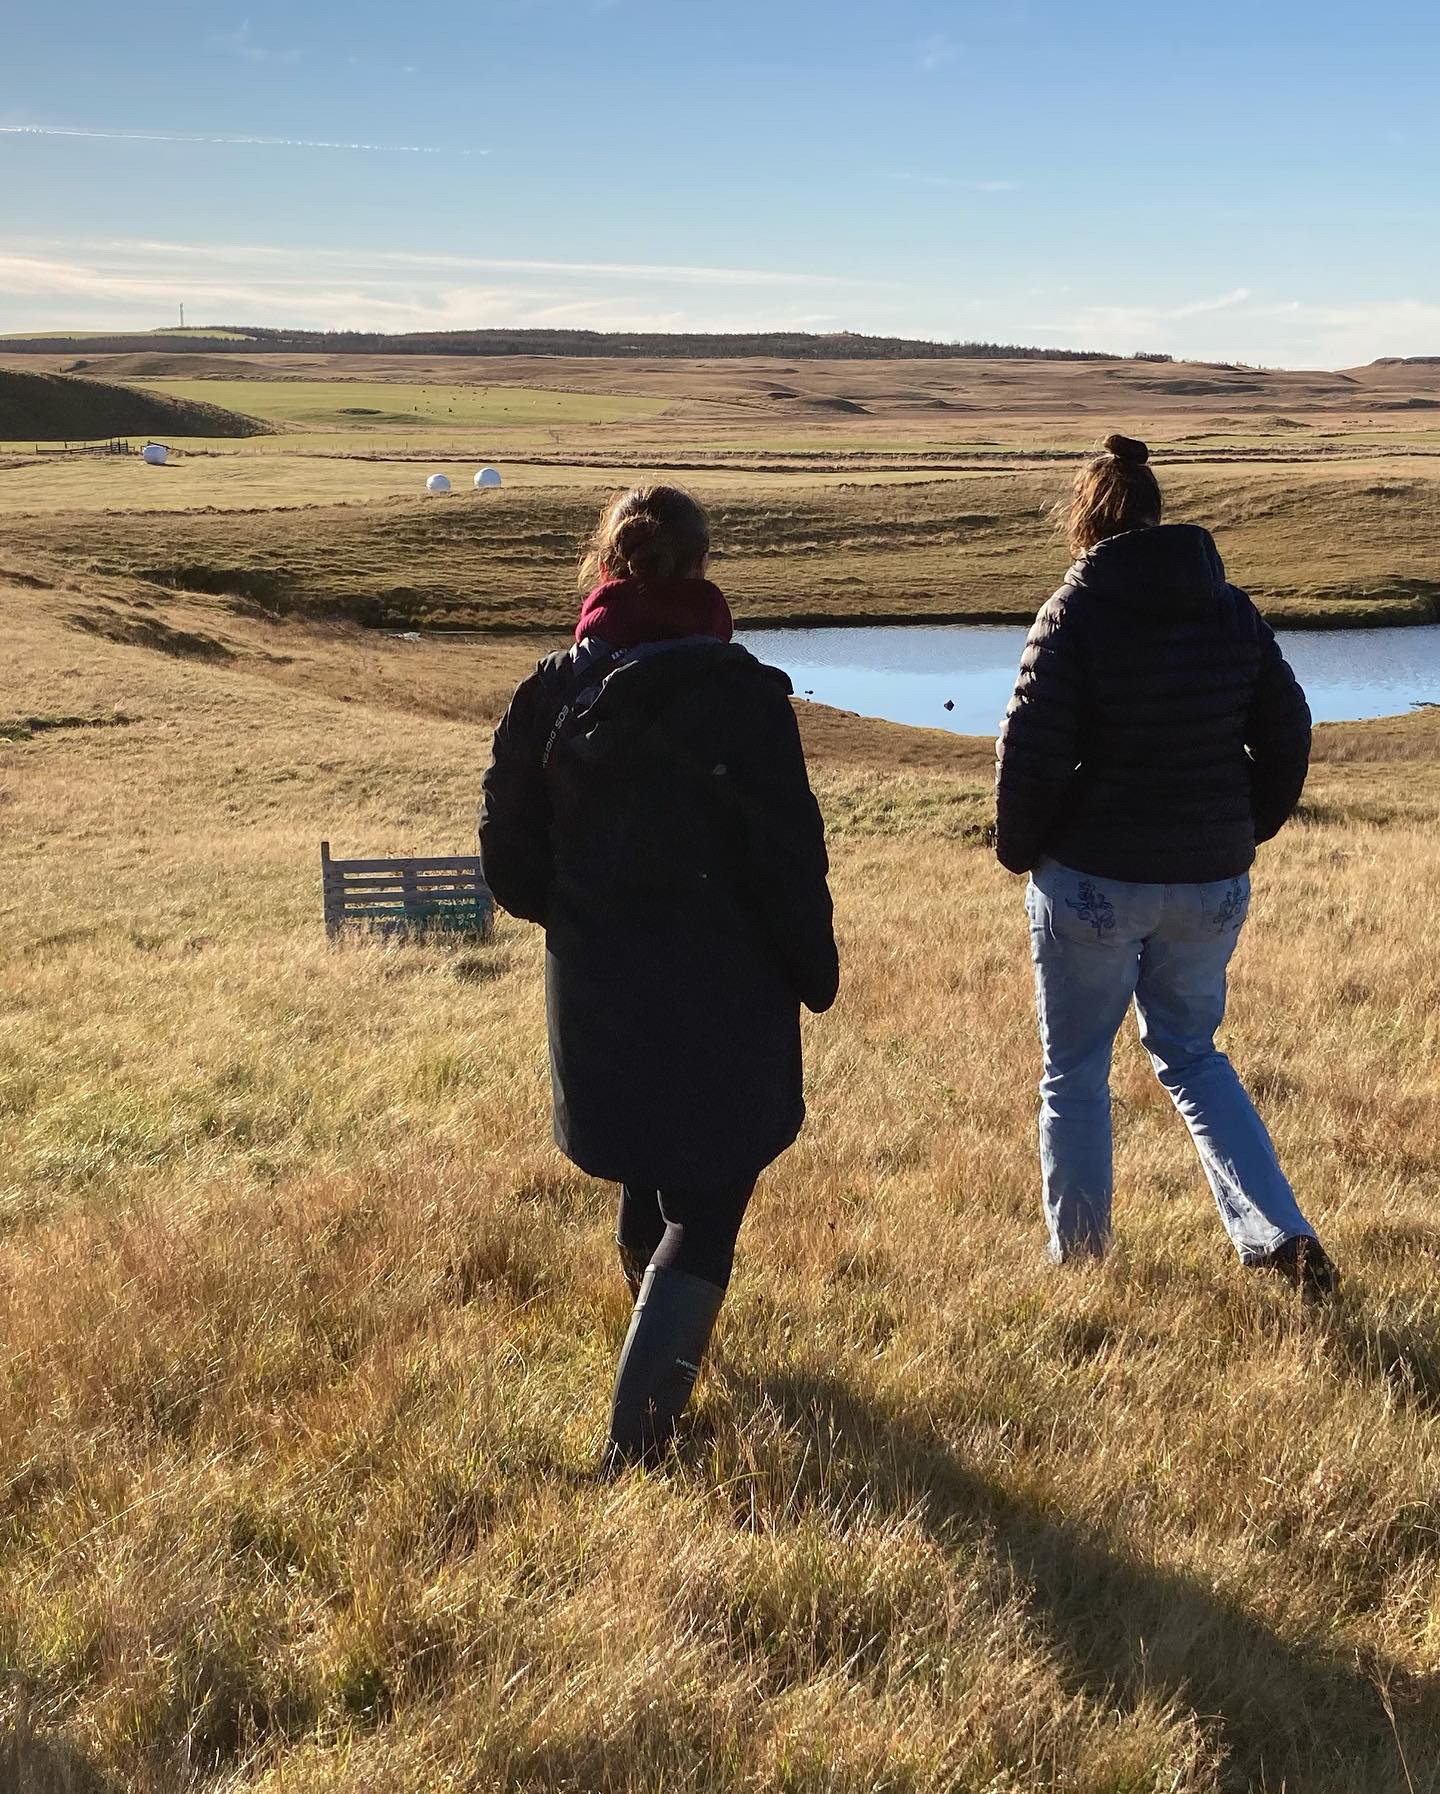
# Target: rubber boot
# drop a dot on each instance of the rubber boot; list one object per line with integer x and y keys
{"x": 669, "y": 1331}
{"x": 633, "y": 1267}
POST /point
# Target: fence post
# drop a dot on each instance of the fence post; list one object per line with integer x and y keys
{"x": 331, "y": 898}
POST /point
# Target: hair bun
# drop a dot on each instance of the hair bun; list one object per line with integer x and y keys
{"x": 638, "y": 528}
{"x": 640, "y": 545}
{"x": 1126, "y": 448}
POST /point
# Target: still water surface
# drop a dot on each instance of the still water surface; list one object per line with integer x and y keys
{"x": 906, "y": 672}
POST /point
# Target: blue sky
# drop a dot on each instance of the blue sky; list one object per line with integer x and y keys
{"x": 1251, "y": 181}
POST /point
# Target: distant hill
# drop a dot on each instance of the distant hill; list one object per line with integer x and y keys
{"x": 843, "y": 345}
{"x": 64, "y": 407}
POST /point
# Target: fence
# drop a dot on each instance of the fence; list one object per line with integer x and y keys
{"x": 399, "y": 896}
{"x": 114, "y": 447}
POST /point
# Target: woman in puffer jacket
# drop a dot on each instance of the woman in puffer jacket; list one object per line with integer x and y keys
{"x": 647, "y": 804}
{"x": 1155, "y": 736}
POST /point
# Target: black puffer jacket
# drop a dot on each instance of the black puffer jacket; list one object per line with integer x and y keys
{"x": 665, "y": 835}
{"x": 1156, "y": 733}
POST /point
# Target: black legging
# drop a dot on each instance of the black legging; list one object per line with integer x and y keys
{"x": 682, "y": 1230}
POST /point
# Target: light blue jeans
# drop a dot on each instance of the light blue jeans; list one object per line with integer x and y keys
{"x": 1098, "y": 943}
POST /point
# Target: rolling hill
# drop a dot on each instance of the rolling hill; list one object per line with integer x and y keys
{"x": 62, "y": 407}
{"x": 800, "y": 345}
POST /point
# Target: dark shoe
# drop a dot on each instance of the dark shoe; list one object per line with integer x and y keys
{"x": 669, "y": 1331}
{"x": 1305, "y": 1264}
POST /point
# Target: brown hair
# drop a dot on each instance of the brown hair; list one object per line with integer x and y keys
{"x": 1114, "y": 492}
{"x": 649, "y": 533}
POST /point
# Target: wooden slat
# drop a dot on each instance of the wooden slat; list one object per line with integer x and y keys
{"x": 453, "y": 862}
{"x": 416, "y": 914}
{"x": 351, "y": 898}
{"x": 364, "y": 881}
{"x": 394, "y": 906}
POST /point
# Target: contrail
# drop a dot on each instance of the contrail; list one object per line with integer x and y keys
{"x": 307, "y": 143}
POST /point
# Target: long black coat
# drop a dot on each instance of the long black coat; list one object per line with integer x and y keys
{"x": 1156, "y": 733}
{"x": 657, "y": 820}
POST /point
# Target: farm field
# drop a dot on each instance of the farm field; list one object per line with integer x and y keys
{"x": 788, "y": 546}
{"x": 366, "y": 405}
{"x": 308, "y": 1333}
{"x": 843, "y": 491}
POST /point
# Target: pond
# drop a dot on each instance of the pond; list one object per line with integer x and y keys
{"x": 907, "y": 672}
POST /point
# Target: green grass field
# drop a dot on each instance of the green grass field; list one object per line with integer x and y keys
{"x": 350, "y": 406}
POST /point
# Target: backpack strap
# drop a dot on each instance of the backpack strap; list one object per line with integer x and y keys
{"x": 587, "y": 658}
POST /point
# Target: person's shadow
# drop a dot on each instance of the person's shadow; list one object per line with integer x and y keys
{"x": 1125, "y": 1630}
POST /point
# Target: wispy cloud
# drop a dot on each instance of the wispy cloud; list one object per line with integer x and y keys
{"x": 1243, "y": 326}
{"x": 240, "y": 43}
{"x": 128, "y": 284}
{"x": 935, "y": 52}
{"x": 406, "y": 261}
{"x": 123, "y": 284}
{"x": 106, "y": 135}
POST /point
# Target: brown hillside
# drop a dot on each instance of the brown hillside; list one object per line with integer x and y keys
{"x": 61, "y": 407}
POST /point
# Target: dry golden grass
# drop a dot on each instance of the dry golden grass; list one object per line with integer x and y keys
{"x": 840, "y": 490}
{"x": 1355, "y": 542}
{"x": 307, "y": 1333}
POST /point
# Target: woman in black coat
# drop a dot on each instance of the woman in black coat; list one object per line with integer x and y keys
{"x": 1155, "y": 737}
{"x": 647, "y": 804}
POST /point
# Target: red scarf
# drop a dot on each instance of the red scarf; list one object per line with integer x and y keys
{"x": 623, "y": 613}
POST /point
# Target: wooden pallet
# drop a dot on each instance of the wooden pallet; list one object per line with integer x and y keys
{"x": 445, "y": 895}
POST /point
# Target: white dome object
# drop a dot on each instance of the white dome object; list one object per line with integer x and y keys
{"x": 488, "y": 476}
{"x": 153, "y": 454}
{"x": 438, "y": 482}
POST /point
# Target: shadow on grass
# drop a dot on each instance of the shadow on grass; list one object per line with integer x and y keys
{"x": 1400, "y": 1358}
{"x": 1403, "y": 1360}
{"x": 1293, "y": 1714}
{"x": 31, "y": 1765}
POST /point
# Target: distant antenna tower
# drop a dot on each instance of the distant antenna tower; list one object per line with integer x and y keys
{"x": 182, "y": 314}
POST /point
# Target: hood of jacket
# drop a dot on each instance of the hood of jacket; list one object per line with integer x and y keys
{"x": 1168, "y": 569}
{"x": 653, "y": 681}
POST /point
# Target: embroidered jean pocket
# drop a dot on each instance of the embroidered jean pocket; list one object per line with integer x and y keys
{"x": 1227, "y": 905}
{"x": 1079, "y": 909}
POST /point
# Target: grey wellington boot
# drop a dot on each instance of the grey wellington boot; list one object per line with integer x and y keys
{"x": 669, "y": 1331}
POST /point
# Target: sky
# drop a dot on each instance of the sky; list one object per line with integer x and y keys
{"x": 1256, "y": 182}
